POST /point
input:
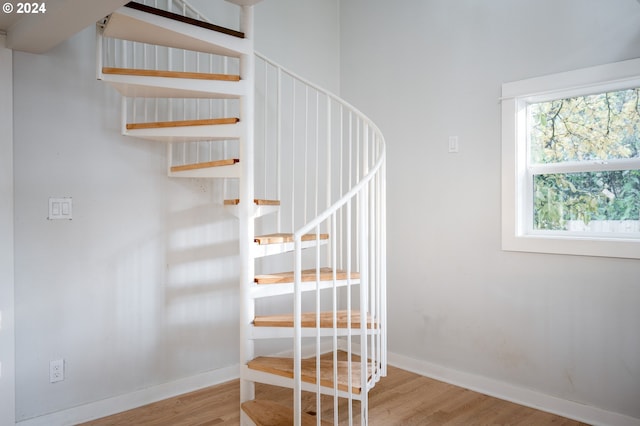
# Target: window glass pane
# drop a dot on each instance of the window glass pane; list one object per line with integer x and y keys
{"x": 594, "y": 202}
{"x": 596, "y": 127}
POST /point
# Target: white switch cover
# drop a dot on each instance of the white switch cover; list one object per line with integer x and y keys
{"x": 60, "y": 208}
{"x": 453, "y": 144}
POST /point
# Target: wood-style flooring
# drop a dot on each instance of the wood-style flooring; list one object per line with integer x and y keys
{"x": 401, "y": 398}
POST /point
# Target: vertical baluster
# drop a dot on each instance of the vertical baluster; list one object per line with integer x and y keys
{"x": 123, "y": 115}
{"x": 305, "y": 164}
{"x": 357, "y": 160}
{"x": 134, "y": 109}
{"x": 384, "y": 257}
{"x": 340, "y": 182}
{"x": 197, "y": 101}
{"x": 318, "y": 348}
{"x": 349, "y": 310}
{"x": 369, "y": 237}
{"x": 293, "y": 157}
{"x": 317, "y": 163}
{"x": 334, "y": 307}
{"x": 279, "y": 145}
{"x": 297, "y": 333}
{"x": 225, "y": 144}
{"x": 364, "y": 291}
{"x": 350, "y": 159}
{"x": 124, "y": 54}
{"x": 329, "y": 176}
{"x": 266, "y": 120}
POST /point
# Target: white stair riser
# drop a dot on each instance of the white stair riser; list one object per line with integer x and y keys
{"x": 268, "y": 290}
{"x": 259, "y": 211}
{"x": 259, "y": 333}
{"x": 188, "y": 133}
{"x": 165, "y": 87}
{"x": 273, "y": 379}
{"x": 135, "y": 25}
{"x": 233, "y": 171}
{"x": 272, "y": 249}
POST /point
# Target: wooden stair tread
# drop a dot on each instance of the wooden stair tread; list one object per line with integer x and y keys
{"x": 285, "y": 238}
{"x": 309, "y": 320}
{"x": 170, "y": 74}
{"x": 270, "y": 413}
{"x": 205, "y": 165}
{"x": 184, "y": 19}
{"x": 182, "y": 123}
{"x": 308, "y": 275}
{"x": 284, "y": 367}
{"x": 256, "y": 201}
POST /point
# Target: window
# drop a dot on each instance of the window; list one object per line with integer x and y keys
{"x": 571, "y": 162}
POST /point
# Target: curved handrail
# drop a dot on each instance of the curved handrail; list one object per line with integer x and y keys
{"x": 321, "y": 217}
{"x": 369, "y": 250}
{"x": 365, "y": 179}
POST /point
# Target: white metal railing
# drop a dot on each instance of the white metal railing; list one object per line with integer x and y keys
{"x": 325, "y": 161}
{"x": 330, "y": 175}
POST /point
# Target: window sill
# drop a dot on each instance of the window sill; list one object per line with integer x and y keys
{"x": 617, "y": 247}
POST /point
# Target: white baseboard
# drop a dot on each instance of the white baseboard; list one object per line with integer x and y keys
{"x": 485, "y": 385}
{"x": 508, "y": 392}
{"x": 132, "y": 400}
{"x": 118, "y": 404}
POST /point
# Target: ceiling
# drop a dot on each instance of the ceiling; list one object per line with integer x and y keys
{"x": 7, "y": 19}
{"x": 37, "y": 33}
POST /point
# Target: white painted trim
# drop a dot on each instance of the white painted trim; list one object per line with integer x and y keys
{"x": 513, "y": 393}
{"x": 7, "y": 328}
{"x": 136, "y": 399}
{"x": 516, "y": 178}
{"x": 614, "y": 76}
{"x": 120, "y": 403}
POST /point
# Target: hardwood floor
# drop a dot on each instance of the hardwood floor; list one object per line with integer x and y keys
{"x": 401, "y": 398}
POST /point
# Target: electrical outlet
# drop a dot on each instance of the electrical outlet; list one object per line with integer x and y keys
{"x": 56, "y": 370}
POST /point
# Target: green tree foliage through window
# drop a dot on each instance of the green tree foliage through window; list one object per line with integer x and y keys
{"x": 587, "y": 129}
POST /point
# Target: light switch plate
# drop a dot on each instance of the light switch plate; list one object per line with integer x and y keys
{"x": 60, "y": 208}
{"x": 453, "y": 144}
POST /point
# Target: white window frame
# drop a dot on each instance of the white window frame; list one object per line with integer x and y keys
{"x": 517, "y": 233}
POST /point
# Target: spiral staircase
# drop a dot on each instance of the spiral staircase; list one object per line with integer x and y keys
{"x": 304, "y": 173}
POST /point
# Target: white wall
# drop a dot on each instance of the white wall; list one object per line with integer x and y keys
{"x": 7, "y": 366}
{"x": 139, "y": 289}
{"x": 303, "y": 36}
{"x": 426, "y": 69}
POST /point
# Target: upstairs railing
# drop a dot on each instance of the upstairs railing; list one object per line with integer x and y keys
{"x": 325, "y": 161}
